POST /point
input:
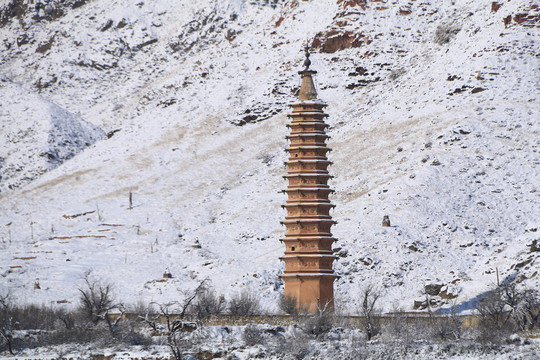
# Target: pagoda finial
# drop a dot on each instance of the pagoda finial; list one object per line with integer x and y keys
{"x": 307, "y": 62}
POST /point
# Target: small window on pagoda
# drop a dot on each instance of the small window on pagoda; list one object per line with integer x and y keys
{"x": 292, "y": 248}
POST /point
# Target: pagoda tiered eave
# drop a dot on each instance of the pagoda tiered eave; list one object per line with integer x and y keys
{"x": 321, "y": 255}
{"x": 318, "y": 173}
{"x": 311, "y": 102}
{"x": 318, "y": 202}
{"x": 324, "y": 219}
{"x": 304, "y": 114}
{"x": 319, "y": 274}
{"x": 308, "y": 123}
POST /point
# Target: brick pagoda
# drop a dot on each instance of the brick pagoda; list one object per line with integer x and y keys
{"x": 308, "y": 276}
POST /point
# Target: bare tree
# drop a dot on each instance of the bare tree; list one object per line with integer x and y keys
{"x": 510, "y": 294}
{"x": 529, "y": 310}
{"x": 97, "y": 302}
{"x": 524, "y": 305}
{"x": 178, "y": 344}
{"x": 174, "y": 312}
{"x": 66, "y": 318}
{"x": 441, "y": 327}
{"x": 370, "y": 314}
{"x": 175, "y": 327}
{"x": 244, "y": 304}
{"x": 495, "y": 317}
{"x": 7, "y": 322}
{"x": 449, "y": 327}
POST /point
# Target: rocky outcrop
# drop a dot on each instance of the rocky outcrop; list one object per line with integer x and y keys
{"x": 337, "y": 39}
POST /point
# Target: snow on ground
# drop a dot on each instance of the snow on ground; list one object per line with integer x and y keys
{"x": 219, "y": 342}
{"x": 442, "y": 137}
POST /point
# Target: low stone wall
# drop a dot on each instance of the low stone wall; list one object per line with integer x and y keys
{"x": 287, "y": 320}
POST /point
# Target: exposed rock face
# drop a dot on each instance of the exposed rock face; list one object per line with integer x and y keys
{"x": 335, "y": 40}
{"x": 433, "y": 289}
{"x": 340, "y": 36}
{"x": 353, "y": 3}
{"x": 346, "y": 31}
{"x": 495, "y": 6}
{"x": 535, "y": 246}
{"x": 17, "y": 9}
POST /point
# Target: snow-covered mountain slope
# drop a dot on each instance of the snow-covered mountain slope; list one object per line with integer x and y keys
{"x": 37, "y": 135}
{"x": 434, "y": 115}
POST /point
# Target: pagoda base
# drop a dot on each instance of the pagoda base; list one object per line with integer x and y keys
{"x": 313, "y": 292}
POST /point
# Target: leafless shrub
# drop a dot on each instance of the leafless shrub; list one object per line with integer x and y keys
{"x": 441, "y": 327}
{"x": 165, "y": 321}
{"x": 31, "y": 316}
{"x": 173, "y": 313}
{"x": 53, "y": 326}
{"x": 320, "y": 323}
{"x": 397, "y": 73}
{"x": 190, "y": 296}
{"x": 80, "y": 333}
{"x": 370, "y": 314}
{"x": 449, "y": 327}
{"x": 207, "y": 303}
{"x": 252, "y": 335}
{"x": 398, "y": 329}
{"x": 296, "y": 345}
{"x": 131, "y": 332}
{"x": 445, "y": 32}
{"x": 44, "y": 320}
{"x": 288, "y": 305}
{"x": 139, "y": 308}
{"x": 244, "y": 304}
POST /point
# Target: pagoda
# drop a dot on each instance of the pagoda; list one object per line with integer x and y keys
{"x": 308, "y": 276}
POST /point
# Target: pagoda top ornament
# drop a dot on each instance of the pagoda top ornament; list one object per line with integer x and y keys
{"x": 307, "y": 62}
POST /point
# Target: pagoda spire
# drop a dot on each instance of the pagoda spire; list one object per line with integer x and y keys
{"x": 307, "y": 89}
{"x": 308, "y": 276}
